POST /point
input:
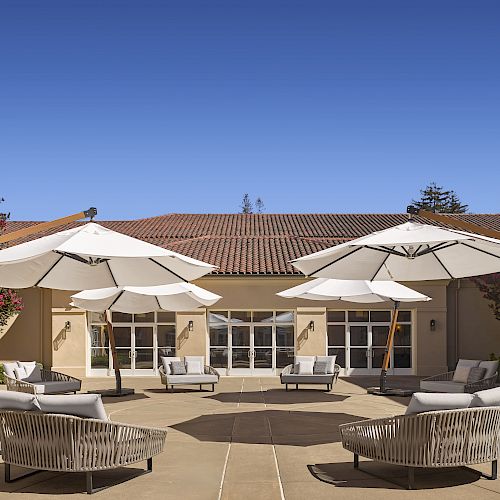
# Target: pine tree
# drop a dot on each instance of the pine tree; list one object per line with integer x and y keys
{"x": 435, "y": 198}
{"x": 259, "y": 205}
{"x": 246, "y": 205}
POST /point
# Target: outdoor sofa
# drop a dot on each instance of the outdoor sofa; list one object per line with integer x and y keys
{"x": 191, "y": 370}
{"x": 438, "y": 430}
{"x": 470, "y": 375}
{"x": 319, "y": 370}
{"x": 70, "y": 433}
{"x": 27, "y": 376}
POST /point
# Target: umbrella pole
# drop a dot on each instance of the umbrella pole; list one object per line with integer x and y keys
{"x": 114, "y": 355}
{"x": 388, "y": 347}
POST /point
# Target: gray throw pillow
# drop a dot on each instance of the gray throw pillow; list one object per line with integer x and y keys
{"x": 178, "y": 368}
{"x": 476, "y": 374}
{"x": 320, "y": 368}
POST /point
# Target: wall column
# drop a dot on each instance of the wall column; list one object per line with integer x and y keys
{"x": 311, "y": 342}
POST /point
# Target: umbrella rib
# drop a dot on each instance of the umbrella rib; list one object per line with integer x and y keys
{"x": 335, "y": 261}
{"x": 381, "y": 266}
{"x": 116, "y": 300}
{"x": 443, "y": 266}
{"x": 440, "y": 246}
{"x": 386, "y": 250}
{"x": 158, "y": 302}
{"x": 169, "y": 270}
{"x": 49, "y": 270}
{"x": 111, "y": 272}
{"x": 481, "y": 250}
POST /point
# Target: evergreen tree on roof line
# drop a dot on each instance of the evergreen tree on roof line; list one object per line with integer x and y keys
{"x": 435, "y": 198}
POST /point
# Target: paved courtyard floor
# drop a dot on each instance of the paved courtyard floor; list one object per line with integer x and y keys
{"x": 252, "y": 440}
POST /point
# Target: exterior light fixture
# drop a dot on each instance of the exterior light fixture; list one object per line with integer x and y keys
{"x": 432, "y": 325}
{"x": 190, "y": 326}
{"x": 311, "y": 326}
{"x": 67, "y": 326}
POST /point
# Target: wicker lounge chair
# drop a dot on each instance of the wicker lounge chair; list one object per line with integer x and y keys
{"x": 449, "y": 438}
{"x": 168, "y": 379}
{"x": 68, "y": 443}
{"x": 288, "y": 375}
{"x": 41, "y": 381}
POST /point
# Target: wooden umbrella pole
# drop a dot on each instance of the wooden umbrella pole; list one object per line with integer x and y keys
{"x": 388, "y": 347}
{"x": 114, "y": 354}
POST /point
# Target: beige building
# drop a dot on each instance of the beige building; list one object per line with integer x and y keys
{"x": 251, "y": 331}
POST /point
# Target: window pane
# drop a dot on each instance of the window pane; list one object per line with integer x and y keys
{"x": 263, "y": 357}
{"x": 335, "y": 316}
{"x": 336, "y": 334}
{"x": 165, "y": 351}
{"x": 241, "y": 335}
{"x": 218, "y": 317}
{"x": 218, "y": 336}
{"x": 358, "y": 316}
{"x": 358, "y": 358}
{"x": 122, "y": 336}
{"x": 285, "y": 317}
{"x": 285, "y": 336}
{"x": 118, "y": 317}
{"x": 263, "y": 336}
{"x": 99, "y": 336}
{"x": 144, "y": 359}
{"x": 402, "y": 357}
{"x": 166, "y": 335}
{"x": 263, "y": 317}
{"x": 240, "y": 358}
{"x": 124, "y": 358}
{"x": 379, "y": 335}
{"x": 165, "y": 317}
{"x": 218, "y": 358}
{"x": 402, "y": 335}
{"x": 359, "y": 335}
{"x": 284, "y": 357}
{"x": 380, "y": 316}
{"x": 144, "y": 336}
{"x": 340, "y": 353}
{"x": 99, "y": 358}
{"x": 241, "y": 316}
{"x": 145, "y": 318}
{"x": 404, "y": 316}
{"x": 97, "y": 317}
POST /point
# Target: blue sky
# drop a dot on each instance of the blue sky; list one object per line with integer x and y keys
{"x": 149, "y": 107}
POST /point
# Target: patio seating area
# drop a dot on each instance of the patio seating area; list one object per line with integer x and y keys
{"x": 252, "y": 439}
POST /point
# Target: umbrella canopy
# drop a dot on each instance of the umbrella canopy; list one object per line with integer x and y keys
{"x": 91, "y": 256}
{"x": 132, "y": 299}
{"x": 365, "y": 292}
{"x": 408, "y": 252}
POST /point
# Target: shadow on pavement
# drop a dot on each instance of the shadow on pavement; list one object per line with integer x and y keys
{"x": 278, "y": 396}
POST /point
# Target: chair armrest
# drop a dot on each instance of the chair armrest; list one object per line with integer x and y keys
{"x": 287, "y": 370}
{"x": 210, "y": 370}
{"x": 481, "y": 385}
{"x": 19, "y": 385}
{"x": 441, "y": 377}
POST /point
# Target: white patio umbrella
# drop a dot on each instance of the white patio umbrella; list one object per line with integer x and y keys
{"x": 408, "y": 252}
{"x": 364, "y": 292}
{"x": 136, "y": 300}
{"x": 91, "y": 256}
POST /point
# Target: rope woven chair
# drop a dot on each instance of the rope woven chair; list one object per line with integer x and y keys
{"x": 63, "y": 443}
{"x": 46, "y": 376}
{"x": 448, "y": 438}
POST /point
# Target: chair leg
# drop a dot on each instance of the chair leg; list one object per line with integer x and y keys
{"x": 200, "y": 387}
{"x": 88, "y": 480}
{"x": 286, "y": 387}
{"x": 171, "y": 388}
{"x": 7, "y": 473}
{"x": 494, "y": 469}
{"x": 150, "y": 464}
{"x": 296, "y": 386}
{"x": 213, "y": 387}
{"x": 411, "y": 478}
{"x": 356, "y": 461}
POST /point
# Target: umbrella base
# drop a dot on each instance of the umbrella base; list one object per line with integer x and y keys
{"x": 389, "y": 391}
{"x": 113, "y": 393}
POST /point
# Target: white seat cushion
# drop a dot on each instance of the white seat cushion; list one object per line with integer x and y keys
{"x": 306, "y": 367}
{"x": 194, "y": 367}
{"x": 166, "y": 360}
{"x": 330, "y": 360}
{"x": 462, "y": 374}
{"x": 491, "y": 368}
{"x": 20, "y": 373}
{"x": 8, "y": 369}
{"x": 298, "y": 359}
{"x": 468, "y": 362}
{"x": 33, "y": 373}
{"x": 80, "y": 405}
{"x": 56, "y": 386}
{"x": 192, "y": 379}
{"x": 441, "y": 386}
{"x": 488, "y": 397}
{"x": 423, "y": 402}
{"x": 12, "y": 400}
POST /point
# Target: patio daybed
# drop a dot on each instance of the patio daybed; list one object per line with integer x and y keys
{"x": 319, "y": 370}
{"x": 70, "y": 433}
{"x": 438, "y": 430}
{"x": 189, "y": 371}
{"x": 470, "y": 375}
{"x": 27, "y": 376}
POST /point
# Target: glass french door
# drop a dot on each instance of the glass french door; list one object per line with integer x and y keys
{"x": 366, "y": 348}
{"x": 251, "y": 349}
{"x": 135, "y": 349}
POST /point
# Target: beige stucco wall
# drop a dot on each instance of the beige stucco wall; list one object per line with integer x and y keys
{"x": 192, "y": 343}
{"x": 473, "y": 331}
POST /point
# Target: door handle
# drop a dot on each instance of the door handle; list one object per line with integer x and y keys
{"x": 130, "y": 355}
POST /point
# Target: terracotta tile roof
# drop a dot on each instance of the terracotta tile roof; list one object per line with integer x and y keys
{"x": 257, "y": 244}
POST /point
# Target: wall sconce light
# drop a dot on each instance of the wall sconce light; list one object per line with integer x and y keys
{"x": 432, "y": 325}
{"x": 67, "y": 326}
{"x": 190, "y": 326}
{"x": 310, "y": 326}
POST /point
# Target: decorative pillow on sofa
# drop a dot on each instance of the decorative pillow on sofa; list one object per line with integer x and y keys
{"x": 166, "y": 360}
{"x": 306, "y": 367}
{"x": 194, "y": 367}
{"x": 8, "y": 369}
{"x": 33, "y": 372}
{"x": 298, "y": 359}
{"x": 432, "y": 401}
{"x": 461, "y": 374}
{"x": 20, "y": 372}
{"x": 79, "y": 405}
{"x": 491, "y": 368}
{"x": 330, "y": 362}
{"x": 488, "y": 397}
{"x": 476, "y": 374}
{"x": 320, "y": 368}
{"x": 468, "y": 362}
{"x": 178, "y": 368}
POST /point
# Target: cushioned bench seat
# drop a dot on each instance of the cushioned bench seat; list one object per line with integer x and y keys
{"x": 193, "y": 371}
{"x": 56, "y": 387}
{"x": 295, "y": 375}
{"x": 192, "y": 379}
